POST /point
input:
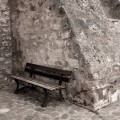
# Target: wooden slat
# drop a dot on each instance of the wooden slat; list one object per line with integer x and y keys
{"x": 40, "y": 84}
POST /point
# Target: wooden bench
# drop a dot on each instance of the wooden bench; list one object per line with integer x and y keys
{"x": 55, "y": 74}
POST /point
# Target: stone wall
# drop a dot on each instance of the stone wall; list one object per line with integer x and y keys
{"x": 98, "y": 37}
{"x": 70, "y": 34}
{"x": 5, "y": 41}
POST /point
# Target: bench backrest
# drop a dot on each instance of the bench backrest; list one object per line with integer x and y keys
{"x": 58, "y": 74}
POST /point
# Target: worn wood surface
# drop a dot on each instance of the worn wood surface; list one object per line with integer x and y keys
{"x": 39, "y": 84}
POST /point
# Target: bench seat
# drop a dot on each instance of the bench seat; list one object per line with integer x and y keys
{"x": 38, "y": 83}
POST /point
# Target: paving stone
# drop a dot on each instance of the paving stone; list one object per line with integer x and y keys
{"x": 55, "y": 114}
{"x": 71, "y": 112}
{"x": 65, "y": 116}
{"x": 5, "y": 110}
{"x": 96, "y": 117}
{"x": 45, "y": 118}
{"x": 72, "y": 119}
{"x": 109, "y": 117}
{"x": 40, "y": 109}
{"x": 116, "y": 113}
{"x": 29, "y": 117}
{"x": 57, "y": 118}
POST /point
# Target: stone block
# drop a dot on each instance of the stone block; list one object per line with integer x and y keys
{"x": 2, "y": 59}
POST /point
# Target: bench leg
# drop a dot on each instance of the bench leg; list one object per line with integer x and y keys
{"x": 44, "y": 103}
{"x": 61, "y": 95}
{"x": 33, "y": 87}
{"x": 17, "y": 88}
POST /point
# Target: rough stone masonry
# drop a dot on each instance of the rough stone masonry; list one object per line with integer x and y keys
{"x": 81, "y": 35}
{"x": 5, "y": 41}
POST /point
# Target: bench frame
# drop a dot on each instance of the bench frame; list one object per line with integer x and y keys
{"x": 33, "y": 69}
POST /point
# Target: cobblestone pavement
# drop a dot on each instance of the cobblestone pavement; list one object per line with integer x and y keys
{"x": 26, "y": 106}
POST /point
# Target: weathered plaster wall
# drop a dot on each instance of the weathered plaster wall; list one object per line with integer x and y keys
{"x": 70, "y": 34}
{"x": 5, "y": 41}
{"x": 42, "y": 35}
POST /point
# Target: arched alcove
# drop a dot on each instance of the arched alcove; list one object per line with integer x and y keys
{"x": 42, "y": 34}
